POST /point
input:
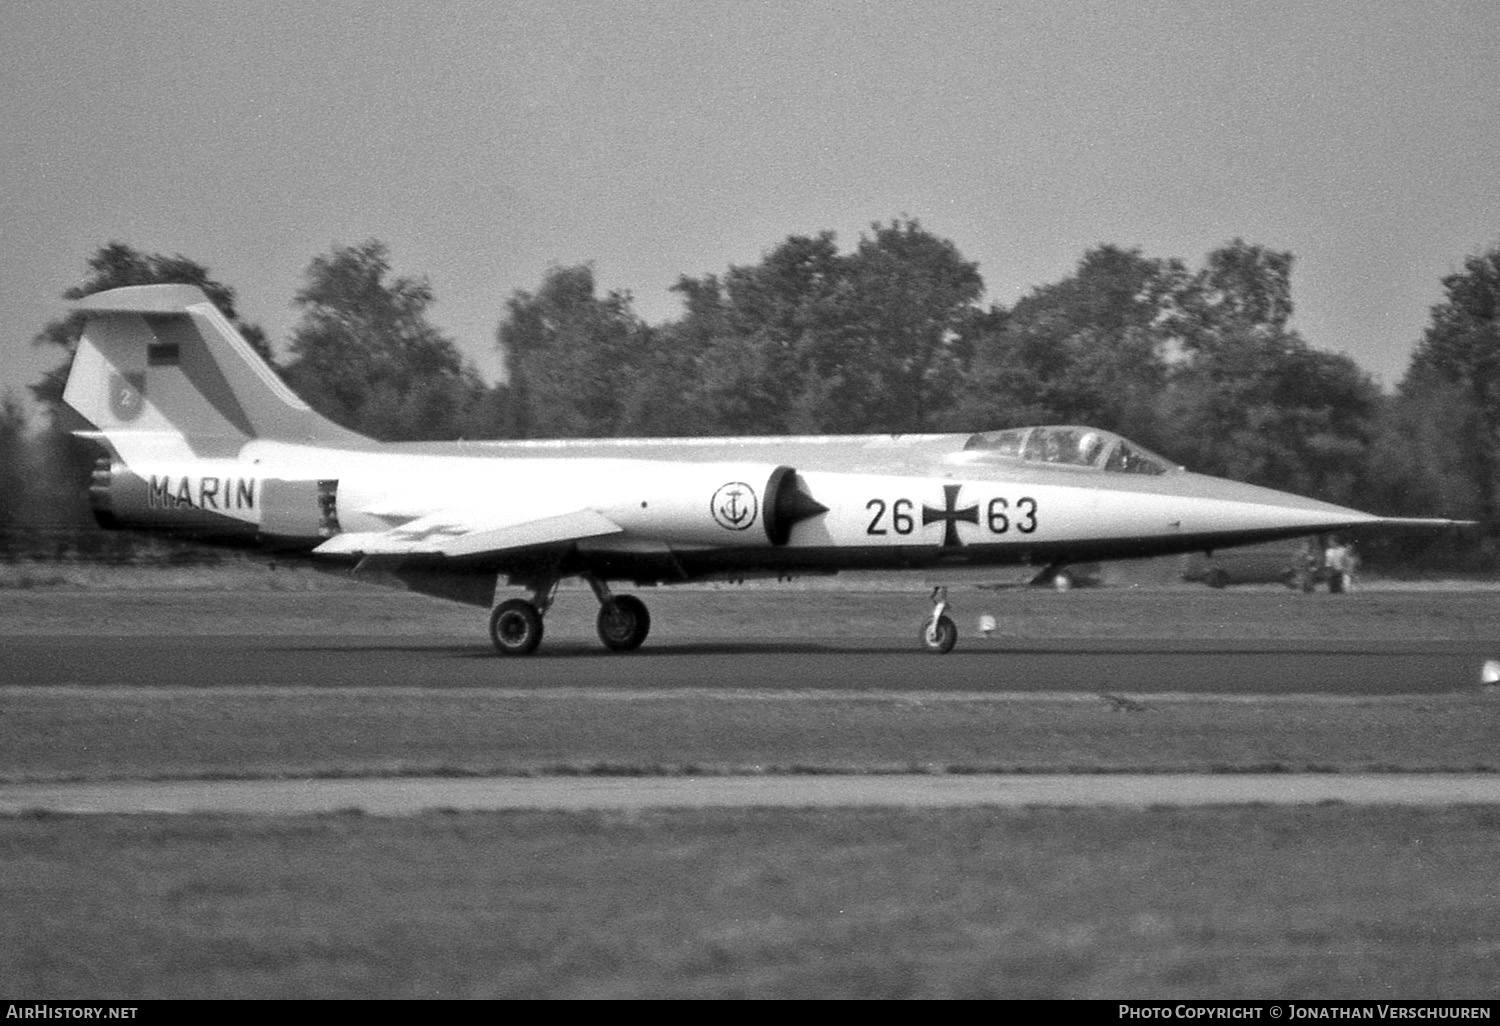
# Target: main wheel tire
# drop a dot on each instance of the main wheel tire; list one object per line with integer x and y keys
{"x": 624, "y": 623}
{"x": 516, "y": 627}
{"x": 941, "y": 637}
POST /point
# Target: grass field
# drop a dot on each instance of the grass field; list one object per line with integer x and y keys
{"x": 1325, "y": 902}
{"x": 1258, "y": 902}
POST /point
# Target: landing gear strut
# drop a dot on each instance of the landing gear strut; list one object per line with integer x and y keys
{"x": 939, "y": 634}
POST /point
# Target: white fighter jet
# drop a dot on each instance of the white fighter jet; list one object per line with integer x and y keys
{"x": 206, "y": 441}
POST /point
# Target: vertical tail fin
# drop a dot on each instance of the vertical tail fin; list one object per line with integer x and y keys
{"x": 159, "y": 368}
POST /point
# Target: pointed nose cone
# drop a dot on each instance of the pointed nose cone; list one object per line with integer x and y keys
{"x": 1216, "y": 505}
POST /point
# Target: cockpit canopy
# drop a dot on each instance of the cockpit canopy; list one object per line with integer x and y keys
{"x": 1071, "y": 446}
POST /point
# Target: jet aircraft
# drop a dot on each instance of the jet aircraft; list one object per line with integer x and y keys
{"x": 204, "y": 440}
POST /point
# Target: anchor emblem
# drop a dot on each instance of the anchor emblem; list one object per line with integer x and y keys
{"x": 734, "y": 506}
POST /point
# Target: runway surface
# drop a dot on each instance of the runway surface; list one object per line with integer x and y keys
{"x": 412, "y": 795}
{"x": 310, "y": 660}
{"x": 1333, "y": 667}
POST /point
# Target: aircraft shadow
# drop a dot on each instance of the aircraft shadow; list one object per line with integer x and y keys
{"x": 584, "y": 651}
{"x": 581, "y": 650}
{"x": 726, "y": 648}
{"x": 1290, "y": 648}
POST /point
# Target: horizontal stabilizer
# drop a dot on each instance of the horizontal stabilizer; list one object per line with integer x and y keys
{"x": 457, "y": 533}
{"x": 143, "y": 299}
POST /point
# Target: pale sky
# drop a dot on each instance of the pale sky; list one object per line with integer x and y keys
{"x": 485, "y": 141}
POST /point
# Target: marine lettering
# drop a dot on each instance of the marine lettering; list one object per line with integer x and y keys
{"x": 158, "y": 497}
{"x": 207, "y": 492}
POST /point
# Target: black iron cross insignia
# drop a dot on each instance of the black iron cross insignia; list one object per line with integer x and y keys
{"x": 950, "y": 516}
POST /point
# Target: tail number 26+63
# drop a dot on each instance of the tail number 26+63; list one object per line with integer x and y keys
{"x": 901, "y": 516}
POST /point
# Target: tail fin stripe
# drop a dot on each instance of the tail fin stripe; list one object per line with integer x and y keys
{"x": 178, "y": 388}
{"x": 226, "y": 331}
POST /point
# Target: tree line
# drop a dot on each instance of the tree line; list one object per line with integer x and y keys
{"x": 1198, "y": 363}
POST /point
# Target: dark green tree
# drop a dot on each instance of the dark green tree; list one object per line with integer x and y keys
{"x": 759, "y": 329}
{"x": 1459, "y": 357}
{"x": 13, "y": 471}
{"x": 580, "y": 365}
{"x": 1424, "y": 458}
{"x": 365, "y": 355}
{"x": 117, "y": 265}
{"x": 1091, "y": 349}
{"x": 1250, "y": 398}
{"x": 812, "y": 340}
{"x": 907, "y": 299}
{"x": 1243, "y": 287}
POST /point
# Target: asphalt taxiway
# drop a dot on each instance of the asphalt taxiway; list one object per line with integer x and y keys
{"x": 1193, "y": 666}
{"x": 304, "y": 662}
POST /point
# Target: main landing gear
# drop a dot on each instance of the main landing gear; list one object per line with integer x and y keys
{"x": 516, "y": 627}
{"x": 939, "y": 634}
{"x": 516, "y": 624}
{"x": 623, "y": 620}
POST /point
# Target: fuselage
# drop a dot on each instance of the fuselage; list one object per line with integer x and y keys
{"x": 689, "y": 508}
{"x": 206, "y": 440}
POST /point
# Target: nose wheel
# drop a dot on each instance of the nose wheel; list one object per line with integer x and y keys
{"x": 939, "y": 633}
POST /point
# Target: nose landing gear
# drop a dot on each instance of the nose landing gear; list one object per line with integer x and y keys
{"x": 939, "y": 633}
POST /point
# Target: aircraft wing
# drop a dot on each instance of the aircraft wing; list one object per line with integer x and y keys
{"x": 470, "y": 533}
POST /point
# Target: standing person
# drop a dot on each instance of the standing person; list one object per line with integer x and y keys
{"x": 1340, "y": 561}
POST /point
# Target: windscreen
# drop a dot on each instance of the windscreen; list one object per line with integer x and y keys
{"x": 1065, "y": 445}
